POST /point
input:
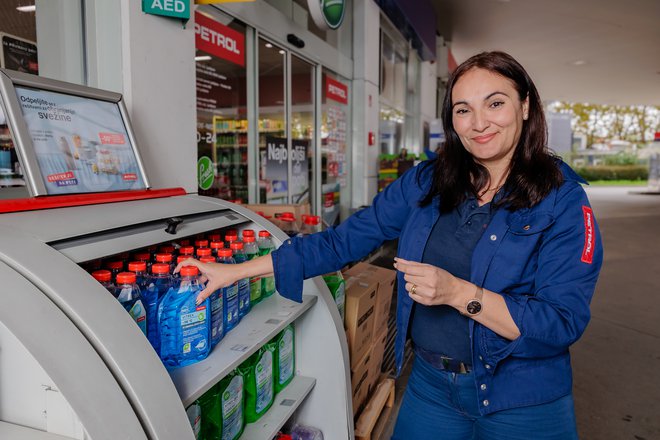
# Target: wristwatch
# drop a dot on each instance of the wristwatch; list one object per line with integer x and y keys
{"x": 475, "y": 305}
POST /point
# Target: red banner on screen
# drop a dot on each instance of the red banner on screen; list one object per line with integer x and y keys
{"x": 112, "y": 138}
{"x": 219, "y": 40}
{"x": 336, "y": 91}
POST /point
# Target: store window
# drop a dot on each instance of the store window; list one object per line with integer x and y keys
{"x": 18, "y": 51}
{"x": 302, "y": 130}
{"x": 221, "y": 107}
{"x": 335, "y": 151}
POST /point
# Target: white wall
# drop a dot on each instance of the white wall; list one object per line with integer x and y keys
{"x": 366, "y": 55}
{"x": 158, "y": 82}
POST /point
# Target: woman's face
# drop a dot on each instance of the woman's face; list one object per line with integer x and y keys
{"x": 488, "y": 116}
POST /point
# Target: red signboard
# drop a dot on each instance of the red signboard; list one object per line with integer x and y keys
{"x": 336, "y": 91}
{"x": 219, "y": 40}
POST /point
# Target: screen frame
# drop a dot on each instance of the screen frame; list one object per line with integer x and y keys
{"x": 9, "y": 79}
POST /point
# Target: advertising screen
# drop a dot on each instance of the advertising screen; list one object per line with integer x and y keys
{"x": 81, "y": 144}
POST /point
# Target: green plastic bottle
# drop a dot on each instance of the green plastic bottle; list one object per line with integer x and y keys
{"x": 266, "y": 246}
{"x": 285, "y": 358}
{"x": 230, "y": 398}
{"x": 252, "y": 252}
{"x": 259, "y": 390}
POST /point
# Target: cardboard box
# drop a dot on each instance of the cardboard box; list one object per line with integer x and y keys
{"x": 271, "y": 209}
{"x": 378, "y": 352}
{"x": 360, "y": 381}
{"x": 385, "y": 279}
{"x": 359, "y": 308}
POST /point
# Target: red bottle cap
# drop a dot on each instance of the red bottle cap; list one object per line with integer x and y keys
{"x": 114, "y": 265}
{"x": 248, "y": 239}
{"x": 214, "y": 237}
{"x": 236, "y": 245}
{"x": 102, "y": 275}
{"x": 264, "y": 234}
{"x": 160, "y": 268}
{"x": 137, "y": 266}
{"x": 189, "y": 271}
{"x": 181, "y": 258}
{"x": 143, "y": 256}
{"x": 248, "y": 233}
{"x": 312, "y": 220}
{"x": 207, "y": 260}
{"x": 217, "y": 245}
{"x": 164, "y": 258}
{"x": 225, "y": 252}
{"x": 125, "y": 278}
{"x": 167, "y": 249}
{"x": 184, "y": 242}
{"x": 186, "y": 250}
{"x": 203, "y": 252}
{"x": 202, "y": 243}
{"x": 231, "y": 237}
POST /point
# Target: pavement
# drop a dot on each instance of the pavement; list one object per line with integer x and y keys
{"x": 616, "y": 363}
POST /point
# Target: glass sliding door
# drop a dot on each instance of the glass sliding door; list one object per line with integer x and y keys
{"x": 273, "y": 143}
{"x": 302, "y": 130}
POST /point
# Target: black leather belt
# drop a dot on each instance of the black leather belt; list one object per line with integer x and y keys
{"x": 443, "y": 363}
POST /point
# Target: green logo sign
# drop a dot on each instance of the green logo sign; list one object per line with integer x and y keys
{"x": 259, "y": 368}
{"x": 205, "y": 172}
{"x": 327, "y": 14}
{"x": 226, "y": 395}
{"x": 168, "y": 8}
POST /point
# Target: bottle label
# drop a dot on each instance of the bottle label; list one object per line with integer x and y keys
{"x": 217, "y": 325}
{"x": 194, "y": 330}
{"x": 231, "y": 301}
{"x": 232, "y": 408}
{"x": 139, "y": 315}
{"x": 285, "y": 356}
{"x": 264, "y": 380}
{"x": 194, "y": 413}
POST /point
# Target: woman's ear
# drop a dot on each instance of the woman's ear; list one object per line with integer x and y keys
{"x": 525, "y": 108}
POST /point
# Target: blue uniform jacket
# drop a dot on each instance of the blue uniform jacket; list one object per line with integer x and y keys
{"x": 544, "y": 261}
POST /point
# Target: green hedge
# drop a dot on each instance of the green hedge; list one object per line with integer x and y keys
{"x": 614, "y": 172}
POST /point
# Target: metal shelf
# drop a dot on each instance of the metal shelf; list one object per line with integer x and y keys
{"x": 264, "y": 321}
{"x": 284, "y": 405}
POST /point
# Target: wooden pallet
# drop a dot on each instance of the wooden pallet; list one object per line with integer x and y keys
{"x": 374, "y": 417}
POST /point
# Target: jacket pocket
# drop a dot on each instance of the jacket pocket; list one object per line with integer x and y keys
{"x": 531, "y": 224}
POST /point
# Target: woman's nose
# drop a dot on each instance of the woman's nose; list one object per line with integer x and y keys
{"x": 480, "y": 121}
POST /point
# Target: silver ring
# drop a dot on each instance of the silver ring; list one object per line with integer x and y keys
{"x": 413, "y": 289}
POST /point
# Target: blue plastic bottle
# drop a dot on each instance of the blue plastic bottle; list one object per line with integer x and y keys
{"x": 158, "y": 283}
{"x": 184, "y": 326}
{"x": 139, "y": 268}
{"x": 217, "y": 311}
{"x": 230, "y": 293}
{"x": 244, "y": 304}
{"x": 104, "y": 277}
{"x": 128, "y": 294}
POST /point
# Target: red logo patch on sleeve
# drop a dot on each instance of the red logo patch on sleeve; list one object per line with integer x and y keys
{"x": 589, "y": 236}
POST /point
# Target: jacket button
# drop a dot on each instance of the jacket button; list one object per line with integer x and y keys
{"x": 526, "y": 227}
{"x": 288, "y": 242}
{"x": 487, "y": 366}
{"x": 483, "y": 387}
{"x": 486, "y": 402}
{"x": 493, "y": 237}
{"x": 481, "y": 358}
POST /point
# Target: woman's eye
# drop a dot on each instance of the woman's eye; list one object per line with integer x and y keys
{"x": 497, "y": 104}
{"x": 461, "y": 111}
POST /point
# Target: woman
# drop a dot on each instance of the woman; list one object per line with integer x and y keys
{"x": 499, "y": 255}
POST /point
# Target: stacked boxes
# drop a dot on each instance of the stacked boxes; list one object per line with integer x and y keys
{"x": 369, "y": 291}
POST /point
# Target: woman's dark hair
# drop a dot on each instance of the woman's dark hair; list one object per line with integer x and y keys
{"x": 534, "y": 171}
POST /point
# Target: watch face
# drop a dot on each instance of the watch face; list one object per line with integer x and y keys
{"x": 474, "y": 307}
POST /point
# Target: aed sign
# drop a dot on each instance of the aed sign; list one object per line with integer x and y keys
{"x": 336, "y": 91}
{"x": 167, "y": 8}
{"x": 219, "y": 40}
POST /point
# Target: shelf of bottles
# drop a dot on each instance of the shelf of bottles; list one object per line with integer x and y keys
{"x": 230, "y": 156}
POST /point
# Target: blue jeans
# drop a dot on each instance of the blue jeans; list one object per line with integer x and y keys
{"x": 438, "y": 405}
